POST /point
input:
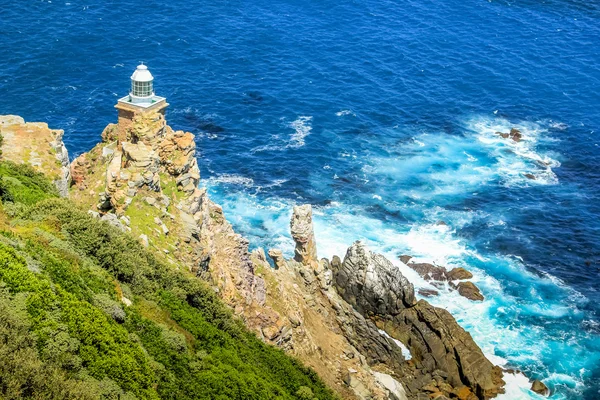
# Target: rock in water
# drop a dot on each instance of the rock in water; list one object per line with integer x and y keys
{"x": 539, "y": 387}
{"x": 405, "y": 258}
{"x": 470, "y": 291}
{"x": 429, "y": 271}
{"x": 460, "y": 273}
{"x": 302, "y": 232}
{"x": 516, "y": 135}
{"x": 428, "y": 292}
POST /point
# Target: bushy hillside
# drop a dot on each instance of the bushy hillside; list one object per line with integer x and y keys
{"x": 65, "y": 331}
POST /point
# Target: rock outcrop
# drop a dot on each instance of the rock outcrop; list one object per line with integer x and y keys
{"x": 378, "y": 290}
{"x": 514, "y": 134}
{"x": 302, "y": 233}
{"x": 35, "y": 144}
{"x": 372, "y": 284}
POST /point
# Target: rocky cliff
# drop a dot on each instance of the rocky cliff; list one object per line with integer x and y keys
{"x": 349, "y": 320}
{"x": 37, "y": 145}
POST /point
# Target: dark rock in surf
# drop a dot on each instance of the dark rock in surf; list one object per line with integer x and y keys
{"x": 428, "y": 292}
{"x": 405, "y": 258}
{"x": 457, "y": 274}
{"x": 429, "y": 271}
{"x": 470, "y": 291}
{"x": 516, "y": 135}
{"x": 539, "y": 387}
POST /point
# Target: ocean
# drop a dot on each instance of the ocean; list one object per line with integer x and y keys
{"x": 381, "y": 114}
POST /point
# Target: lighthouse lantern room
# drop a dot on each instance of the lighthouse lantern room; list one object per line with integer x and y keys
{"x": 141, "y": 98}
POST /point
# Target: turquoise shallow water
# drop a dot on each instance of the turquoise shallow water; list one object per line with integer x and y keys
{"x": 383, "y": 115}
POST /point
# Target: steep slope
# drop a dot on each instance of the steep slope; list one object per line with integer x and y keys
{"x": 88, "y": 312}
{"x": 320, "y": 311}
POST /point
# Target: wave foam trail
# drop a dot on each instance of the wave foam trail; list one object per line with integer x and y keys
{"x": 231, "y": 179}
{"x": 517, "y": 162}
{"x": 344, "y": 113}
{"x": 440, "y": 168}
{"x": 302, "y": 126}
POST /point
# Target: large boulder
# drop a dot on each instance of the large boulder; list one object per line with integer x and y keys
{"x": 371, "y": 283}
{"x": 302, "y": 232}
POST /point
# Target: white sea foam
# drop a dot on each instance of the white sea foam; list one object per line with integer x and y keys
{"x": 516, "y": 159}
{"x": 338, "y": 225}
{"x": 232, "y": 179}
{"x": 517, "y": 388}
{"x": 302, "y": 127}
{"x": 405, "y": 351}
{"x": 344, "y": 112}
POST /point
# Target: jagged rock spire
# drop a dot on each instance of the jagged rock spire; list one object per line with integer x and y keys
{"x": 302, "y": 232}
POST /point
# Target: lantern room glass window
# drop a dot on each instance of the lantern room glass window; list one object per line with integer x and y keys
{"x": 141, "y": 89}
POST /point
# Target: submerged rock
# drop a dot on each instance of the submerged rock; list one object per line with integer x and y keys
{"x": 428, "y": 292}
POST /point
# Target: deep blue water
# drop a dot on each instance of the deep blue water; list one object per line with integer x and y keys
{"x": 383, "y": 115}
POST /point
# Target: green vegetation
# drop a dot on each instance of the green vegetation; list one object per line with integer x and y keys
{"x": 65, "y": 332}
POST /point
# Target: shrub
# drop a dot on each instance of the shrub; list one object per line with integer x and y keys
{"x": 178, "y": 340}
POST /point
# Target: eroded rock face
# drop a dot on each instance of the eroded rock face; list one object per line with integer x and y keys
{"x": 366, "y": 279}
{"x": 35, "y": 144}
{"x": 379, "y": 291}
{"x": 302, "y": 232}
{"x": 277, "y": 257}
{"x": 439, "y": 343}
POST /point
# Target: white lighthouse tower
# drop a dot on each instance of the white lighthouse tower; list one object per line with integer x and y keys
{"x": 141, "y": 97}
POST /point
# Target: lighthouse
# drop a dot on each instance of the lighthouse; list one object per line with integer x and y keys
{"x": 141, "y": 97}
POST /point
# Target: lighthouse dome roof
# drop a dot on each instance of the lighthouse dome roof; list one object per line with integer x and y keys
{"x": 142, "y": 74}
